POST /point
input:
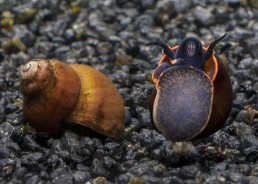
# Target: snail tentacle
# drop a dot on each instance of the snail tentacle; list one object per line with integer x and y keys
{"x": 208, "y": 53}
{"x": 166, "y": 49}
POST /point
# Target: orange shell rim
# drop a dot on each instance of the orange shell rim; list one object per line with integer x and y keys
{"x": 211, "y": 62}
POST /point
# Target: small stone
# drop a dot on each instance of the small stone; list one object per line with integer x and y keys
{"x": 52, "y": 160}
{"x": 136, "y": 180}
{"x": 215, "y": 179}
{"x": 32, "y": 160}
{"x": 114, "y": 150}
{"x": 4, "y": 152}
{"x": 62, "y": 175}
{"x": 220, "y": 167}
{"x": 240, "y": 129}
{"x": 70, "y": 141}
{"x": 33, "y": 180}
{"x": 109, "y": 162}
{"x": 10, "y": 108}
{"x": 81, "y": 177}
{"x": 204, "y": 15}
{"x": 157, "y": 154}
{"x": 7, "y": 23}
{"x": 237, "y": 178}
{"x": 247, "y": 115}
{"x": 149, "y": 168}
{"x": 232, "y": 2}
{"x": 182, "y": 6}
{"x": 26, "y": 15}
{"x": 190, "y": 172}
{"x": 25, "y": 35}
{"x": 251, "y": 153}
{"x": 123, "y": 178}
{"x": 248, "y": 140}
{"x": 144, "y": 116}
{"x": 30, "y": 143}
{"x": 172, "y": 179}
{"x": 19, "y": 173}
{"x": 252, "y": 44}
{"x": 125, "y": 166}
{"x": 17, "y": 42}
{"x": 59, "y": 149}
{"x": 7, "y": 167}
{"x": 100, "y": 180}
{"x": 88, "y": 143}
{"x": 98, "y": 168}
{"x": 6, "y": 130}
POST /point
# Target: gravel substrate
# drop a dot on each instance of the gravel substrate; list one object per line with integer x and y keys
{"x": 110, "y": 36}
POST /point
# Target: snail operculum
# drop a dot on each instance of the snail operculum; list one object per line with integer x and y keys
{"x": 182, "y": 101}
{"x": 179, "y": 102}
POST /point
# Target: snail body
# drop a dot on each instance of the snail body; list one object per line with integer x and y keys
{"x": 193, "y": 95}
{"x": 55, "y": 92}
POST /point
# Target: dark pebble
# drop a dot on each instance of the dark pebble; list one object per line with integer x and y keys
{"x": 110, "y": 163}
{"x": 81, "y": 177}
{"x": 98, "y": 168}
{"x": 215, "y": 179}
{"x": 33, "y": 180}
{"x": 4, "y": 153}
{"x": 125, "y": 166}
{"x": 32, "y": 160}
{"x": 114, "y": 150}
{"x": 59, "y": 149}
{"x": 70, "y": 141}
{"x": 62, "y": 175}
{"x": 123, "y": 178}
{"x": 172, "y": 179}
{"x": 189, "y": 172}
{"x": 52, "y": 160}
{"x": 251, "y": 153}
{"x": 30, "y": 143}
{"x": 10, "y": 108}
{"x": 249, "y": 140}
{"x": 26, "y": 36}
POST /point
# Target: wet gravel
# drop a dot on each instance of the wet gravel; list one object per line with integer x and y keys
{"x": 110, "y": 35}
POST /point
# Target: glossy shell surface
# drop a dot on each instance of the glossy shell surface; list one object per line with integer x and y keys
{"x": 56, "y": 93}
{"x": 49, "y": 95}
{"x": 100, "y": 106}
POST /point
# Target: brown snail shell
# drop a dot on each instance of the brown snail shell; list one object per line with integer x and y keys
{"x": 189, "y": 103}
{"x": 55, "y": 92}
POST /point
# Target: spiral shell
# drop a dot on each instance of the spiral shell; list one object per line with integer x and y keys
{"x": 55, "y": 93}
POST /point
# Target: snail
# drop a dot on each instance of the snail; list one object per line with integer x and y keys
{"x": 55, "y": 92}
{"x": 193, "y": 95}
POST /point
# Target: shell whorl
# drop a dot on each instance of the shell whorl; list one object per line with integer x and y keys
{"x": 35, "y": 76}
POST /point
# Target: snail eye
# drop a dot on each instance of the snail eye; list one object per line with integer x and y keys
{"x": 191, "y": 48}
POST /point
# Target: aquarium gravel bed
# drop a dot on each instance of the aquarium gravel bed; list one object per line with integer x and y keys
{"x": 110, "y": 35}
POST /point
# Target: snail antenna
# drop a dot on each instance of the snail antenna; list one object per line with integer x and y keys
{"x": 207, "y": 54}
{"x": 166, "y": 49}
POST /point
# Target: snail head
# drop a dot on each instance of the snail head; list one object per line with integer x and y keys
{"x": 189, "y": 52}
